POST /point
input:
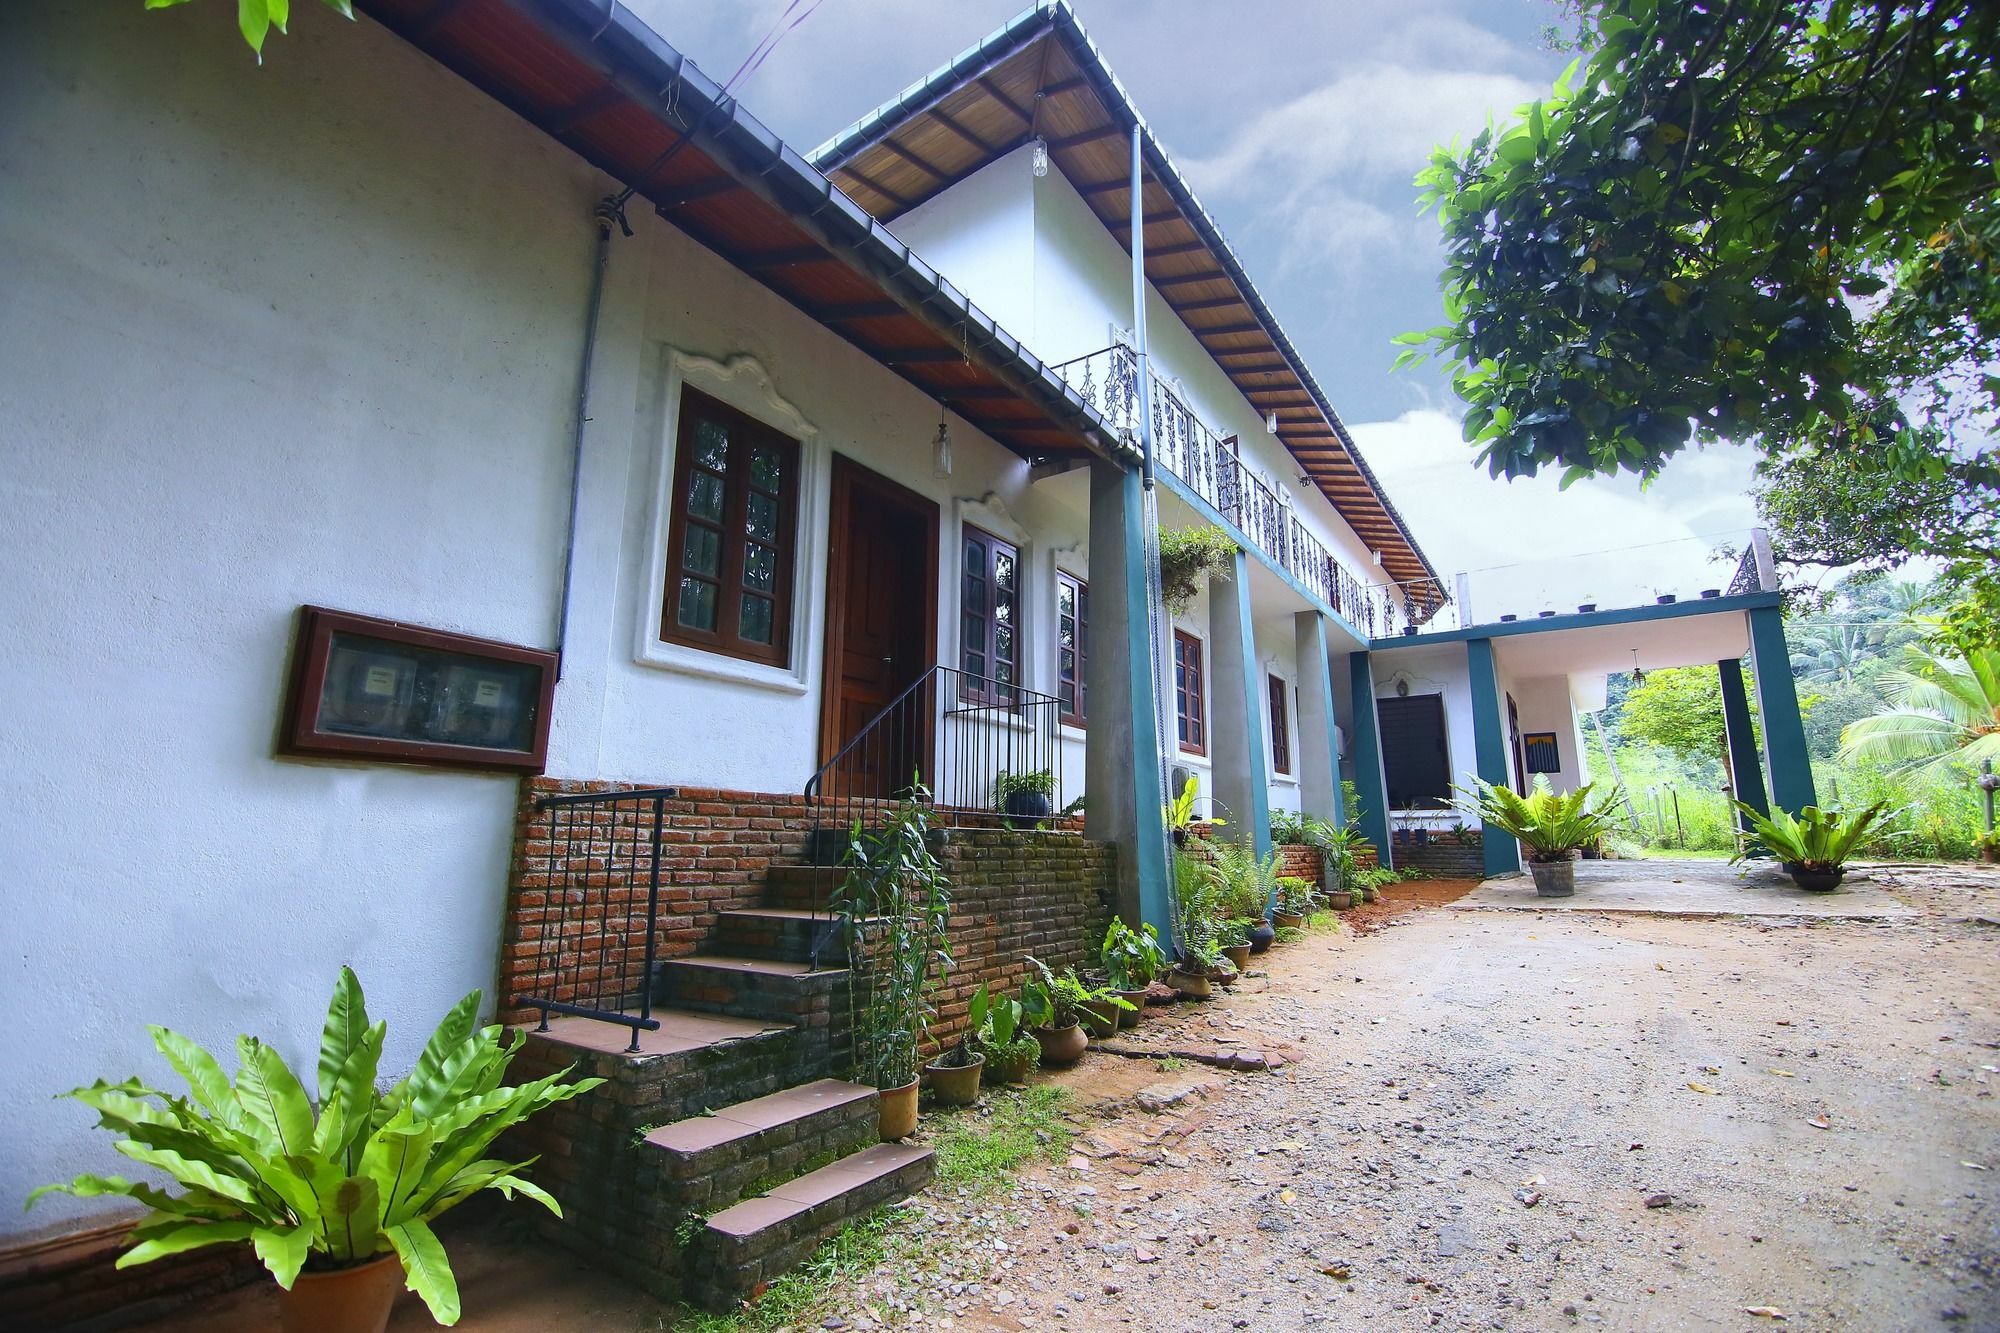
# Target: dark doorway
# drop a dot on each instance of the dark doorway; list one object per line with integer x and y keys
{"x": 881, "y": 627}
{"x": 1414, "y": 762}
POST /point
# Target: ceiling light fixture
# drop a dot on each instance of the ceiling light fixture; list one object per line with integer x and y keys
{"x": 1041, "y": 156}
{"x": 941, "y": 446}
{"x": 1271, "y": 422}
{"x": 1638, "y": 672}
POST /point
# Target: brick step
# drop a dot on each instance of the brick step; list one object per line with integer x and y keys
{"x": 759, "y": 1239}
{"x": 755, "y": 988}
{"x": 801, "y": 888}
{"x": 706, "y": 1162}
{"x": 789, "y": 934}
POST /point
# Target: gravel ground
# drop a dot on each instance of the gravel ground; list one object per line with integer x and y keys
{"x": 1514, "y": 1120}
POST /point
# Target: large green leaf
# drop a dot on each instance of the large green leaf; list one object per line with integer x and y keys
{"x": 423, "y": 1085}
{"x": 272, "y": 1097}
{"x": 350, "y": 1216}
{"x": 427, "y": 1269}
{"x": 194, "y": 1171}
{"x": 346, "y": 1028}
{"x": 396, "y": 1158}
{"x": 189, "y": 1236}
{"x": 203, "y": 1072}
{"x": 283, "y": 1251}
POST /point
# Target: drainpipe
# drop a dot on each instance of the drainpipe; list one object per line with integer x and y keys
{"x": 609, "y": 210}
{"x": 1139, "y": 310}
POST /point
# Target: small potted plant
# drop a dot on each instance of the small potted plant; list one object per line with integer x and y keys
{"x": 1132, "y": 959}
{"x": 1180, "y": 814}
{"x": 1027, "y": 798}
{"x": 1989, "y": 848}
{"x": 1814, "y": 847}
{"x": 1000, "y": 1034}
{"x": 1552, "y": 826}
{"x": 892, "y": 906}
{"x": 1295, "y": 900}
{"x": 954, "y": 1075}
{"x": 1101, "y": 1009}
{"x": 1049, "y": 1003}
{"x": 338, "y": 1197}
{"x": 1199, "y": 967}
{"x": 1235, "y": 939}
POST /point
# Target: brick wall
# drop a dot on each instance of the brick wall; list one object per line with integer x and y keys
{"x": 1444, "y": 860}
{"x": 1302, "y": 861}
{"x": 1015, "y": 893}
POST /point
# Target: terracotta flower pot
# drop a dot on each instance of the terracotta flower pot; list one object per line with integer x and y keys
{"x": 1129, "y": 1018}
{"x": 956, "y": 1085}
{"x": 342, "y": 1300}
{"x": 1238, "y": 955}
{"x": 1062, "y": 1046}
{"x": 896, "y": 1111}
{"x": 1193, "y": 985}
{"x": 1293, "y": 920}
{"x": 1099, "y": 1020}
{"x": 1340, "y": 900}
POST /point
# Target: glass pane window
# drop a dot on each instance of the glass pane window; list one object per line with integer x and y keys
{"x": 1072, "y": 646}
{"x": 733, "y": 533}
{"x": 989, "y": 606}
{"x": 1281, "y": 728}
{"x": 1189, "y": 716}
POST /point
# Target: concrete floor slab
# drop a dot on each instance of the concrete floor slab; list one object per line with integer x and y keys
{"x": 1693, "y": 888}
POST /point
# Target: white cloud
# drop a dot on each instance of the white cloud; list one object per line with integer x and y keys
{"x": 1530, "y": 546}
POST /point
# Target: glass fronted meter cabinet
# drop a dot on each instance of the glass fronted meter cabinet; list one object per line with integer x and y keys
{"x": 366, "y": 688}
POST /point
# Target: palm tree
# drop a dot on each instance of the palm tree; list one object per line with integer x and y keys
{"x": 1941, "y": 708}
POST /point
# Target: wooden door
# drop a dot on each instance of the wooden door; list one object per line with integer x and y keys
{"x": 881, "y": 630}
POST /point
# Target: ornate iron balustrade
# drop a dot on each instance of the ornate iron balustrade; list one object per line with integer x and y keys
{"x": 1212, "y": 467}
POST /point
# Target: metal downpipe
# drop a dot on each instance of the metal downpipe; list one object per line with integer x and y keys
{"x": 608, "y": 211}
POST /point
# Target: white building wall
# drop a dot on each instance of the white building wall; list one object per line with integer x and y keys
{"x": 1442, "y": 670}
{"x": 305, "y": 333}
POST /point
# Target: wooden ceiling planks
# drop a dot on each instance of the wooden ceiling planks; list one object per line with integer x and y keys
{"x": 1040, "y": 88}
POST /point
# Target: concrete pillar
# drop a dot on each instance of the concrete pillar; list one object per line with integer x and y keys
{"x": 1489, "y": 748}
{"x": 1319, "y": 752}
{"x": 1746, "y": 771}
{"x": 1365, "y": 748}
{"x": 1122, "y": 747}
{"x": 1778, "y": 704}
{"x": 1236, "y": 710}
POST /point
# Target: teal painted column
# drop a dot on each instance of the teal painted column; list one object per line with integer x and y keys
{"x": 1489, "y": 749}
{"x": 1319, "y": 747}
{"x": 1778, "y": 702}
{"x": 1366, "y": 750}
{"x": 1241, "y": 773}
{"x": 1746, "y": 770}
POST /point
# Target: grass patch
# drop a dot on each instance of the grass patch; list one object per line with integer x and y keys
{"x": 980, "y": 1149}
{"x": 1172, "y": 1064}
{"x": 804, "y": 1297}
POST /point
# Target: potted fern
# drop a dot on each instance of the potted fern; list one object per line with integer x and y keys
{"x": 1814, "y": 847}
{"x": 893, "y": 905}
{"x": 1553, "y": 826}
{"x": 1027, "y": 798}
{"x": 337, "y": 1197}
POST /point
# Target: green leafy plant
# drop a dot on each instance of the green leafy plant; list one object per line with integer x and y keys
{"x": 1132, "y": 958}
{"x": 1288, "y": 826}
{"x": 256, "y": 18}
{"x": 1551, "y": 825}
{"x": 1180, "y": 811}
{"x": 1247, "y": 884}
{"x": 1818, "y": 840}
{"x": 1053, "y": 999}
{"x": 1199, "y": 890}
{"x": 329, "y": 1186}
{"x": 997, "y": 1030}
{"x": 1041, "y": 782}
{"x": 1188, "y": 558}
{"x": 893, "y": 905}
{"x": 1295, "y": 895}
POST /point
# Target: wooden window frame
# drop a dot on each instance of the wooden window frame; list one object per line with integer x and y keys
{"x": 301, "y": 732}
{"x": 1281, "y": 727}
{"x": 995, "y": 694}
{"x": 1187, "y": 690}
{"x": 1076, "y": 713}
{"x": 745, "y": 431}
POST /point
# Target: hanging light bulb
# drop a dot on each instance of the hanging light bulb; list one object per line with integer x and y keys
{"x": 1271, "y": 422}
{"x": 941, "y": 446}
{"x": 1638, "y": 672}
{"x": 1041, "y": 157}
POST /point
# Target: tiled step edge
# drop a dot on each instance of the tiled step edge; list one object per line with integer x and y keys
{"x": 792, "y": 934}
{"x": 754, "y": 988}
{"x": 760, "y": 1239}
{"x": 706, "y": 1162}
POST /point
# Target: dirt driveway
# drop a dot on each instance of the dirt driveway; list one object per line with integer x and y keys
{"x": 1545, "y": 1120}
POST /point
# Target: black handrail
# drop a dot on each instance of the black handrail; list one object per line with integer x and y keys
{"x": 603, "y": 849}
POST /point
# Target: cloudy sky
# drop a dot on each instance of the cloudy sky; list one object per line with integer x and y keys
{"x": 1300, "y": 123}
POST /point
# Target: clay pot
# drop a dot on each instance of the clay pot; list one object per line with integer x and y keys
{"x": 956, "y": 1085}
{"x": 1340, "y": 900}
{"x": 896, "y": 1111}
{"x": 1261, "y": 936}
{"x": 1013, "y": 1069}
{"x": 1062, "y": 1046}
{"x": 1292, "y": 919}
{"x": 1190, "y": 984}
{"x": 1554, "y": 879}
{"x": 1238, "y": 955}
{"x": 1099, "y": 1020}
{"x": 1129, "y": 1018}
{"x": 1815, "y": 881}
{"x": 342, "y": 1300}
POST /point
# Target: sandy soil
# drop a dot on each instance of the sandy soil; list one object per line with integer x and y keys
{"x": 1512, "y": 1120}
